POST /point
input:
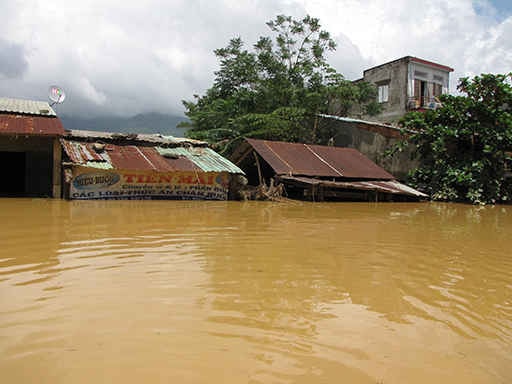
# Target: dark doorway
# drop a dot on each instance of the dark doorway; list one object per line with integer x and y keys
{"x": 423, "y": 93}
{"x": 13, "y": 165}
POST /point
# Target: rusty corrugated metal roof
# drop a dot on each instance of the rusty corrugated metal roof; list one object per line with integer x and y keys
{"x": 31, "y": 107}
{"x": 157, "y": 138}
{"x": 144, "y": 158}
{"x": 120, "y": 156}
{"x": 385, "y": 186}
{"x": 136, "y": 158}
{"x": 318, "y": 161}
{"x": 30, "y": 125}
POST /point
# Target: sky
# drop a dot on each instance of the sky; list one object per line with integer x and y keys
{"x": 119, "y": 57}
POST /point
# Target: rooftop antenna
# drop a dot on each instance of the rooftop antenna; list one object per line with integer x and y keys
{"x": 56, "y": 94}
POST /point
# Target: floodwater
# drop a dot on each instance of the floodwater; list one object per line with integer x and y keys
{"x": 230, "y": 292}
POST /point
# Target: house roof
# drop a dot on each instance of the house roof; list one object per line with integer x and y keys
{"x": 295, "y": 159}
{"x": 30, "y": 125}
{"x": 145, "y": 158}
{"x": 118, "y": 137}
{"x": 416, "y": 60}
{"x": 29, "y": 107}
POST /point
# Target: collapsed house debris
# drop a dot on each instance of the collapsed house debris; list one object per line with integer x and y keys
{"x": 100, "y": 165}
{"x": 319, "y": 173}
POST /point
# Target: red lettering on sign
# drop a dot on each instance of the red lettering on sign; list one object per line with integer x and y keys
{"x": 165, "y": 179}
{"x": 128, "y": 178}
{"x": 187, "y": 179}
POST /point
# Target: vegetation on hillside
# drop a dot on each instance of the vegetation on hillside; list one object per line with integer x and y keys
{"x": 465, "y": 146}
{"x": 276, "y": 89}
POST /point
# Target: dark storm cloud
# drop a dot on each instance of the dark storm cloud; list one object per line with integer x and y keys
{"x": 13, "y": 63}
{"x": 125, "y": 58}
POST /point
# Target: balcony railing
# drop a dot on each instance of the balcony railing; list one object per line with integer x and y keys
{"x": 421, "y": 103}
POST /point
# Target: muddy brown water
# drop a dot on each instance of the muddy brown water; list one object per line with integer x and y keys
{"x": 229, "y": 292}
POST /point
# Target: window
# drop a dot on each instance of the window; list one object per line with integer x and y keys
{"x": 383, "y": 93}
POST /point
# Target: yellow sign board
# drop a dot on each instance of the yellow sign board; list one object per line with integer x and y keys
{"x": 89, "y": 183}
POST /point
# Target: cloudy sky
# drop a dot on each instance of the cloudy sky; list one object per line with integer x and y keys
{"x": 126, "y": 57}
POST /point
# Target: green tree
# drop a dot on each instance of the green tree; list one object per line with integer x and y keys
{"x": 276, "y": 90}
{"x": 464, "y": 146}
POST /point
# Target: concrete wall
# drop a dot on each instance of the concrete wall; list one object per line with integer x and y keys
{"x": 373, "y": 141}
{"x": 395, "y": 75}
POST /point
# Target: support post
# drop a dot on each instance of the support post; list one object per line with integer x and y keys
{"x": 57, "y": 169}
{"x": 260, "y": 177}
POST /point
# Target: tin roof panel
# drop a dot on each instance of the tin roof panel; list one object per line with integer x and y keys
{"x": 350, "y": 162}
{"x": 31, "y": 107}
{"x": 204, "y": 158}
{"x": 131, "y": 157}
{"x": 316, "y": 160}
{"x": 157, "y": 139}
{"x": 292, "y": 159}
{"x": 30, "y": 125}
{"x": 387, "y": 186}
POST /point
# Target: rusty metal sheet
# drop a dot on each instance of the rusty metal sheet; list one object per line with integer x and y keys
{"x": 182, "y": 164}
{"x": 351, "y": 163}
{"x": 131, "y": 157}
{"x": 125, "y": 157}
{"x": 157, "y": 139}
{"x": 316, "y": 160}
{"x": 81, "y": 153}
{"x": 388, "y": 186}
{"x": 163, "y": 164}
{"x": 30, "y": 125}
{"x": 292, "y": 159}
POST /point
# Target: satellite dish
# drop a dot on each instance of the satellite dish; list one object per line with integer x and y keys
{"x": 56, "y": 94}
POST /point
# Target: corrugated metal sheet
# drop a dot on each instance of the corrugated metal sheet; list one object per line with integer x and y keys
{"x": 315, "y": 160}
{"x": 351, "y": 162}
{"x": 137, "y": 158}
{"x": 82, "y": 153}
{"x": 385, "y": 130}
{"x": 132, "y": 157}
{"x": 156, "y": 139}
{"x": 32, "y": 107}
{"x": 351, "y": 120}
{"x": 99, "y": 165}
{"x": 205, "y": 158}
{"x": 388, "y": 186}
{"x": 30, "y": 125}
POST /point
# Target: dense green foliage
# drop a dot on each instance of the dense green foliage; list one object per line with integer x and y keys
{"x": 275, "y": 90}
{"x": 464, "y": 146}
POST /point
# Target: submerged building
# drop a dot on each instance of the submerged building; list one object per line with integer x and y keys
{"x": 100, "y": 165}
{"x": 39, "y": 158}
{"x": 319, "y": 173}
{"x": 30, "y": 151}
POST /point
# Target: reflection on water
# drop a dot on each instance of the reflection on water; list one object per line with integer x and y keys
{"x": 231, "y": 292}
